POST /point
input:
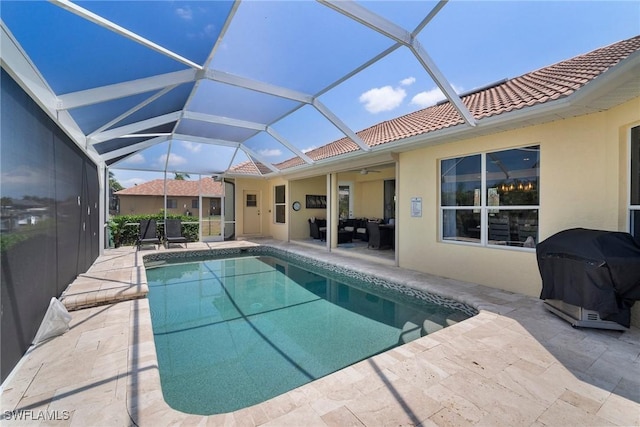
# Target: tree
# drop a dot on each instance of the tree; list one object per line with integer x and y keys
{"x": 113, "y": 182}
{"x": 180, "y": 176}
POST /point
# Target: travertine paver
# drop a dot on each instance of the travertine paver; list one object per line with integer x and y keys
{"x": 513, "y": 364}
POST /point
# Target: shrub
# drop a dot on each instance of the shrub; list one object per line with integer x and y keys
{"x": 124, "y": 228}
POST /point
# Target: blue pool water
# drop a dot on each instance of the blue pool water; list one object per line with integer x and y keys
{"x": 231, "y": 333}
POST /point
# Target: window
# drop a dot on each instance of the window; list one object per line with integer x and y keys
{"x": 280, "y": 204}
{"x": 634, "y": 185}
{"x": 172, "y": 203}
{"x": 252, "y": 200}
{"x": 195, "y": 204}
{"x": 491, "y": 198}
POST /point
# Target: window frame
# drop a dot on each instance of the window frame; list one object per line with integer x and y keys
{"x": 279, "y": 207}
{"x": 171, "y": 202}
{"x": 484, "y": 209}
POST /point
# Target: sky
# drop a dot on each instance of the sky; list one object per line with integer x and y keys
{"x": 306, "y": 47}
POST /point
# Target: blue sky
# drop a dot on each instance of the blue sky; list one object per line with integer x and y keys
{"x": 304, "y": 46}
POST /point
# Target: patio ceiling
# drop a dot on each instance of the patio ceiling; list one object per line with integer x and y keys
{"x": 199, "y": 87}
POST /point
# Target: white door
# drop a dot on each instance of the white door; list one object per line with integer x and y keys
{"x": 251, "y": 211}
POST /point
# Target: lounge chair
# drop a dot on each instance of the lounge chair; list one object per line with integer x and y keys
{"x": 147, "y": 235}
{"x": 173, "y": 232}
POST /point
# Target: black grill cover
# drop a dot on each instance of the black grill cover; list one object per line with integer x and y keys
{"x": 593, "y": 269}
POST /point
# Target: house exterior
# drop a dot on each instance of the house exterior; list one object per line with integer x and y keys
{"x": 183, "y": 197}
{"x": 567, "y": 134}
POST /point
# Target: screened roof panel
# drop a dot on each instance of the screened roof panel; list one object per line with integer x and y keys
{"x": 194, "y": 25}
{"x": 239, "y": 103}
{"x": 199, "y": 158}
{"x": 93, "y": 116}
{"x": 384, "y": 91}
{"x": 292, "y": 43}
{"x": 269, "y": 148}
{"x": 132, "y": 139}
{"x": 407, "y": 16}
{"x": 174, "y": 100}
{"x": 74, "y": 54}
{"x": 214, "y": 131}
{"x": 284, "y": 77}
{"x": 154, "y": 158}
{"x": 323, "y": 130}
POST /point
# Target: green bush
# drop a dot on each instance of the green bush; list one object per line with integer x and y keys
{"x": 124, "y": 228}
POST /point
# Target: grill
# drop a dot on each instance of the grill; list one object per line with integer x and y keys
{"x": 590, "y": 278}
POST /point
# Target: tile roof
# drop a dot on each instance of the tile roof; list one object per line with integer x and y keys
{"x": 537, "y": 87}
{"x": 175, "y": 188}
{"x": 251, "y": 168}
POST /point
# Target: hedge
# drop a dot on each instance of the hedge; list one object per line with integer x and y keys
{"x": 124, "y": 228}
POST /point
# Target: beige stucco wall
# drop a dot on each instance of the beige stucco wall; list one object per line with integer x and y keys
{"x": 299, "y": 226}
{"x": 583, "y": 165}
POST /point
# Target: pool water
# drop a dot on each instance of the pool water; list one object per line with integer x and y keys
{"x": 231, "y": 333}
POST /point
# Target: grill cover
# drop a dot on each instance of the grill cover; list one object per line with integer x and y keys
{"x": 594, "y": 269}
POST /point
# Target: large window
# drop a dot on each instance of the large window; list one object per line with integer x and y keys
{"x": 634, "y": 185}
{"x": 280, "y": 204}
{"x": 491, "y": 198}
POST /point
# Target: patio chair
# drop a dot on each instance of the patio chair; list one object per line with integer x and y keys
{"x": 499, "y": 229}
{"x": 379, "y": 238}
{"x": 147, "y": 235}
{"x": 173, "y": 232}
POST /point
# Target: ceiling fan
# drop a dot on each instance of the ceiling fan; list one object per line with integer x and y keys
{"x": 365, "y": 171}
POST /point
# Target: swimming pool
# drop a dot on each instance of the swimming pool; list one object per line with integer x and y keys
{"x": 234, "y": 332}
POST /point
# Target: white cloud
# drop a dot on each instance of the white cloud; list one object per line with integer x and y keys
{"x": 209, "y": 29}
{"x": 431, "y": 97}
{"x": 174, "y": 160}
{"x": 383, "y": 98}
{"x": 427, "y": 98}
{"x": 136, "y": 159}
{"x": 191, "y": 146}
{"x": 185, "y": 13}
{"x": 306, "y": 150}
{"x": 271, "y": 152}
{"x": 408, "y": 81}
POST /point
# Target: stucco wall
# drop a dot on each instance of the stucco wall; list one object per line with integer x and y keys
{"x": 583, "y": 164}
{"x": 297, "y": 192}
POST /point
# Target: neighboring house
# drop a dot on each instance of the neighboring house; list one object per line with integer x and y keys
{"x": 553, "y": 149}
{"x": 183, "y": 197}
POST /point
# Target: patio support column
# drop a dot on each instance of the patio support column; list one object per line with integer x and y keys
{"x": 396, "y": 214}
{"x": 332, "y": 211}
{"x": 103, "y": 205}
